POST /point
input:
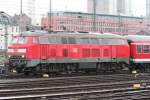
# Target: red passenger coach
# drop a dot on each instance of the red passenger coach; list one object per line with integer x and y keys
{"x": 140, "y": 51}
{"x": 68, "y": 52}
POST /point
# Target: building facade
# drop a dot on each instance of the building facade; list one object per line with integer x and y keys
{"x": 31, "y": 10}
{"x": 73, "y": 21}
{"x": 115, "y": 7}
{"x": 148, "y": 8}
{"x": 23, "y": 21}
{"x": 7, "y": 30}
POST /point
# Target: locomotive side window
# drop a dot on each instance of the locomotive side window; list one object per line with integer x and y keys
{"x": 71, "y": 40}
{"x": 44, "y": 40}
{"x": 113, "y": 41}
{"x": 94, "y": 41}
{"x": 139, "y": 48}
{"x": 100, "y": 41}
{"x": 121, "y": 41}
{"x": 146, "y": 49}
{"x": 52, "y": 40}
{"x": 58, "y": 40}
{"x": 64, "y": 40}
{"x": 35, "y": 40}
{"x": 85, "y": 40}
{"x": 105, "y": 41}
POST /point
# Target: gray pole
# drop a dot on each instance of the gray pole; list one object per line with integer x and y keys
{"x": 94, "y": 15}
{"x": 49, "y": 16}
{"x": 6, "y": 39}
{"x": 20, "y": 19}
{"x": 21, "y": 7}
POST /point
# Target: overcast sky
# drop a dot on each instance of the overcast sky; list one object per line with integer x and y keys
{"x": 42, "y": 6}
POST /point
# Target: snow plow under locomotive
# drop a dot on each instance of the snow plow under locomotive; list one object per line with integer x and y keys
{"x": 73, "y": 52}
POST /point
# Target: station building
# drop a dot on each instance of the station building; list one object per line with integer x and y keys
{"x": 88, "y": 22}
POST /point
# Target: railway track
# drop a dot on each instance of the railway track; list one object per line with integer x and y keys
{"x": 61, "y": 81}
{"x": 74, "y": 87}
{"x": 80, "y": 90}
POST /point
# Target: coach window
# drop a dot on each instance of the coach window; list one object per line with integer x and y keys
{"x": 139, "y": 48}
{"x": 146, "y": 49}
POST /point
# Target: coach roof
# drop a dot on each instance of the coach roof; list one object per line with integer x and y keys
{"x": 138, "y": 38}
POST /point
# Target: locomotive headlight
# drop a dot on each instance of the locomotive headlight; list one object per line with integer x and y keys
{"x": 22, "y": 56}
{"x": 10, "y": 50}
{"x": 21, "y": 50}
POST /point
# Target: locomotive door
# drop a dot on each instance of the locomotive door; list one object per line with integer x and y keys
{"x": 114, "y": 52}
{"x": 43, "y": 50}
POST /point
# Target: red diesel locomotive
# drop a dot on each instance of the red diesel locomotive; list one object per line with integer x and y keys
{"x": 68, "y": 52}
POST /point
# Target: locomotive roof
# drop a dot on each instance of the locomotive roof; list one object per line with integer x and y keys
{"x": 33, "y": 33}
{"x": 138, "y": 38}
{"x": 71, "y": 34}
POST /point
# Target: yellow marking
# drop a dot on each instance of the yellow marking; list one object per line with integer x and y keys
{"x": 134, "y": 72}
{"x": 45, "y": 75}
{"x": 14, "y": 71}
{"x": 136, "y": 86}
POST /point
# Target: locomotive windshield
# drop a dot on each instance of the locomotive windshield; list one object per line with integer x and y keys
{"x": 19, "y": 40}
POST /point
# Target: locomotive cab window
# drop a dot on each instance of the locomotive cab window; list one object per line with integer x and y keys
{"x": 19, "y": 40}
{"x": 139, "y": 49}
{"x": 14, "y": 40}
{"x": 22, "y": 40}
{"x": 105, "y": 41}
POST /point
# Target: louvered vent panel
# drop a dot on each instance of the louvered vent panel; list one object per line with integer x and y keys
{"x": 95, "y": 52}
{"x": 106, "y": 53}
{"x": 53, "y": 52}
{"x": 86, "y": 52}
